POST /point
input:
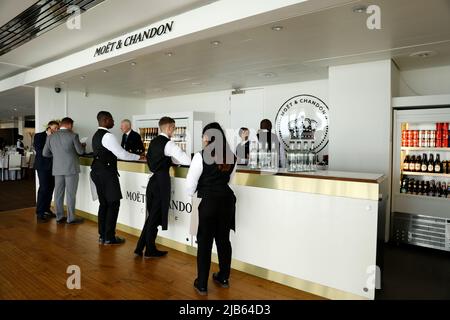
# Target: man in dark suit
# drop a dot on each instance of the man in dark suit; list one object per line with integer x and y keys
{"x": 43, "y": 167}
{"x": 131, "y": 140}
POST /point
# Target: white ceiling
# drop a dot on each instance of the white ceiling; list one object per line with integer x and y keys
{"x": 105, "y": 21}
{"x": 16, "y": 102}
{"x": 303, "y": 50}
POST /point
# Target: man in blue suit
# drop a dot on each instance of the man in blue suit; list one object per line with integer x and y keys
{"x": 43, "y": 167}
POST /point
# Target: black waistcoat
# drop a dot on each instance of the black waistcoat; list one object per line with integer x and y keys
{"x": 104, "y": 160}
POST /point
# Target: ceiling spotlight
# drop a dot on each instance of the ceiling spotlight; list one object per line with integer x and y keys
{"x": 83, "y": 77}
{"x": 360, "y": 9}
{"x": 277, "y": 28}
{"x": 169, "y": 54}
{"x": 105, "y": 71}
{"x": 133, "y": 64}
{"x": 267, "y": 75}
{"x": 15, "y": 109}
{"x": 216, "y": 43}
{"x": 423, "y": 54}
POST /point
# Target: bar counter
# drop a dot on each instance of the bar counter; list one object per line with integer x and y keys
{"x": 314, "y": 231}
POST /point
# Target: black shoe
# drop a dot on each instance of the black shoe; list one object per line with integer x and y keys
{"x": 138, "y": 254}
{"x": 76, "y": 221}
{"x": 101, "y": 240}
{"x": 200, "y": 291}
{"x": 50, "y": 215}
{"x": 222, "y": 283}
{"x": 62, "y": 220}
{"x": 155, "y": 254}
{"x": 115, "y": 241}
{"x": 42, "y": 219}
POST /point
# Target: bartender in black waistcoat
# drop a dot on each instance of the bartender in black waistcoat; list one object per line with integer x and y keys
{"x": 210, "y": 172}
{"x": 161, "y": 154}
{"x": 105, "y": 176}
{"x": 243, "y": 148}
{"x": 131, "y": 140}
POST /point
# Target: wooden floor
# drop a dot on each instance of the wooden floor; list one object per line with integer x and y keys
{"x": 34, "y": 258}
{"x": 18, "y": 194}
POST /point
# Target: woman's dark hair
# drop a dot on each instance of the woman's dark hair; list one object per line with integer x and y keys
{"x": 218, "y": 147}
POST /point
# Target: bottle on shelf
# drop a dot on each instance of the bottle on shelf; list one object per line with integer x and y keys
{"x": 404, "y": 186}
{"x": 437, "y": 164}
{"x": 431, "y": 164}
{"x": 418, "y": 164}
{"x": 406, "y": 163}
{"x": 412, "y": 164}
{"x": 424, "y": 165}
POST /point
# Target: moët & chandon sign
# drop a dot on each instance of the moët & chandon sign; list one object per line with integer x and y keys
{"x": 134, "y": 39}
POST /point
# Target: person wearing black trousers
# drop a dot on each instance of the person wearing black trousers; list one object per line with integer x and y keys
{"x": 161, "y": 154}
{"x": 209, "y": 175}
{"x": 105, "y": 176}
{"x": 43, "y": 166}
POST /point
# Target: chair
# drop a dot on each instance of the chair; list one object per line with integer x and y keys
{"x": 14, "y": 165}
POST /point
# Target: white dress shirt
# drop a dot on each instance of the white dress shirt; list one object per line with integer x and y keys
{"x": 110, "y": 143}
{"x": 172, "y": 150}
{"x": 195, "y": 172}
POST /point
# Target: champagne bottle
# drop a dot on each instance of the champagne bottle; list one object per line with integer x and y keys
{"x": 431, "y": 164}
{"x": 412, "y": 164}
{"x": 406, "y": 163}
{"x": 424, "y": 167}
{"x": 418, "y": 165}
{"x": 437, "y": 164}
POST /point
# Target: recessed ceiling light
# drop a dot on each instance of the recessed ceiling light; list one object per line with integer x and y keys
{"x": 267, "y": 75}
{"x": 360, "y": 9}
{"x": 83, "y": 77}
{"x": 133, "y": 63}
{"x": 216, "y": 43}
{"x": 105, "y": 71}
{"x": 423, "y": 54}
{"x": 15, "y": 109}
{"x": 277, "y": 28}
{"x": 169, "y": 54}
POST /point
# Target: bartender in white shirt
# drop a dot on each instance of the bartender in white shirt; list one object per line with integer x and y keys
{"x": 161, "y": 154}
{"x": 105, "y": 176}
{"x": 209, "y": 175}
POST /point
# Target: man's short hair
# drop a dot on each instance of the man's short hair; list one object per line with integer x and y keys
{"x": 52, "y": 123}
{"x": 126, "y": 121}
{"x": 102, "y": 115}
{"x": 242, "y": 130}
{"x": 266, "y": 124}
{"x": 165, "y": 120}
{"x": 67, "y": 120}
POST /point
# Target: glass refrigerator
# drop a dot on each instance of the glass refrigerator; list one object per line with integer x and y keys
{"x": 421, "y": 177}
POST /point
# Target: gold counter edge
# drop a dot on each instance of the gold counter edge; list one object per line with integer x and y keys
{"x": 290, "y": 281}
{"x": 336, "y": 188}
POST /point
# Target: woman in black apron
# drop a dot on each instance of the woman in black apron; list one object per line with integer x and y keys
{"x": 209, "y": 175}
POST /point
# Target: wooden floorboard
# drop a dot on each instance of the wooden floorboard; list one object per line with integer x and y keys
{"x": 34, "y": 258}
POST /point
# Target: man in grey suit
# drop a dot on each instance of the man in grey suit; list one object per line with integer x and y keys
{"x": 65, "y": 148}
